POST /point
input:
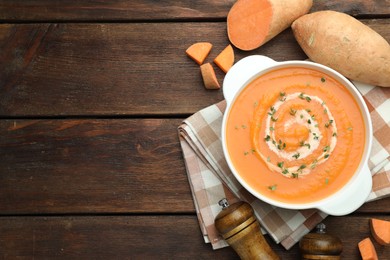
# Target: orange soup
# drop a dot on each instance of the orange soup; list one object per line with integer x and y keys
{"x": 295, "y": 135}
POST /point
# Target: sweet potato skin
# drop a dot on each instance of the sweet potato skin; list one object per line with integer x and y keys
{"x": 380, "y": 230}
{"x": 209, "y": 78}
{"x": 343, "y": 43}
{"x": 285, "y": 12}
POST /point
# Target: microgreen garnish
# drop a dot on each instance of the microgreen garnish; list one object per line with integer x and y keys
{"x": 296, "y": 156}
{"x": 282, "y": 96}
{"x": 326, "y": 156}
{"x": 272, "y": 187}
{"x": 302, "y": 96}
{"x": 273, "y": 119}
{"x": 328, "y": 123}
{"x": 293, "y": 111}
{"x": 294, "y": 175}
{"x": 323, "y": 79}
{"x": 272, "y": 109}
{"x": 303, "y": 166}
{"x": 267, "y": 138}
{"x": 281, "y": 145}
{"x": 302, "y": 143}
{"x": 285, "y": 171}
{"x": 246, "y": 153}
{"x": 280, "y": 164}
{"x": 309, "y": 121}
{"x": 334, "y": 134}
{"x": 271, "y": 128}
{"x": 314, "y": 164}
{"x": 326, "y": 148}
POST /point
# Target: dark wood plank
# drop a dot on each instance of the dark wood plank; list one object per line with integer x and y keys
{"x": 78, "y": 166}
{"x": 355, "y": 8}
{"x": 116, "y": 10}
{"x": 67, "y": 69}
{"x": 144, "y": 237}
{"x": 97, "y": 166}
{"x": 380, "y": 206}
{"x": 113, "y": 10}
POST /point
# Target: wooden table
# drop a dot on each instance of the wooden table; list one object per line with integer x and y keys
{"x": 91, "y": 95}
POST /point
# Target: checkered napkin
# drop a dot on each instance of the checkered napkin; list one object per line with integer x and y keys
{"x": 211, "y": 180}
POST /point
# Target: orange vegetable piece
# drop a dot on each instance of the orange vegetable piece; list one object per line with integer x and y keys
{"x": 380, "y": 230}
{"x": 199, "y": 51}
{"x": 251, "y": 23}
{"x": 225, "y": 59}
{"x": 208, "y": 74}
{"x": 367, "y": 249}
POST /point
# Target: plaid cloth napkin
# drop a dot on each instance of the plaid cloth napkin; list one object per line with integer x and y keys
{"x": 211, "y": 180}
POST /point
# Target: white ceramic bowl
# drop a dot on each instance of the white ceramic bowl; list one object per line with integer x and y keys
{"x": 355, "y": 192}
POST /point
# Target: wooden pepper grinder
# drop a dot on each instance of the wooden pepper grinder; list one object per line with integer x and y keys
{"x": 320, "y": 245}
{"x": 239, "y": 227}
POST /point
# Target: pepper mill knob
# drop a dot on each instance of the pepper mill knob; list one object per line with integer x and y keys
{"x": 239, "y": 227}
{"x": 320, "y": 245}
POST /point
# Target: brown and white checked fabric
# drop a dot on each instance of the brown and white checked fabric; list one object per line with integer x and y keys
{"x": 211, "y": 180}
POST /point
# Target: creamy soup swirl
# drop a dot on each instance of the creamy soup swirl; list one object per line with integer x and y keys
{"x": 302, "y": 117}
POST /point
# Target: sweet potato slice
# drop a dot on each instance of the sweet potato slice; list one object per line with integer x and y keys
{"x": 380, "y": 230}
{"x": 208, "y": 74}
{"x": 199, "y": 51}
{"x": 251, "y": 23}
{"x": 225, "y": 59}
{"x": 367, "y": 249}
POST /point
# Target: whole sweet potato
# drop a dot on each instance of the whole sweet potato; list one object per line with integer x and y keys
{"x": 343, "y": 43}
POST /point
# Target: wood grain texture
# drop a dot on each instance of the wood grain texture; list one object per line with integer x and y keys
{"x": 143, "y": 237}
{"x": 116, "y": 10}
{"x": 86, "y": 166}
{"x": 66, "y": 69}
{"x": 97, "y": 166}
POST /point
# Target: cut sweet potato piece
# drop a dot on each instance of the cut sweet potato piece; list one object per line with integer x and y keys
{"x": 367, "y": 249}
{"x": 199, "y": 51}
{"x": 225, "y": 59}
{"x": 380, "y": 230}
{"x": 251, "y": 23}
{"x": 208, "y": 74}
